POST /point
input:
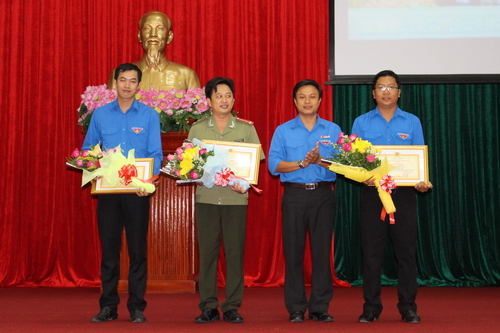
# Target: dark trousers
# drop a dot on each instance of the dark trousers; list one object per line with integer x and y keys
{"x": 403, "y": 234}
{"x": 303, "y": 211}
{"x": 115, "y": 212}
{"x": 212, "y": 223}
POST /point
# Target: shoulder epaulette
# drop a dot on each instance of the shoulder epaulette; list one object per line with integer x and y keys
{"x": 249, "y": 122}
{"x": 200, "y": 120}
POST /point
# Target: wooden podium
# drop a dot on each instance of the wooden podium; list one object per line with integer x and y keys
{"x": 172, "y": 245}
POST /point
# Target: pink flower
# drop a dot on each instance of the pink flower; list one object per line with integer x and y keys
{"x": 90, "y": 164}
{"x": 177, "y": 173}
{"x": 202, "y": 151}
{"x": 179, "y": 157}
{"x": 188, "y": 146}
{"x": 85, "y": 153}
{"x": 75, "y": 153}
{"x": 347, "y": 147}
{"x": 79, "y": 162}
{"x": 370, "y": 158}
{"x": 170, "y": 157}
{"x": 341, "y": 140}
{"x": 353, "y": 137}
{"x": 179, "y": 150}
{"x": 193, "y": 175}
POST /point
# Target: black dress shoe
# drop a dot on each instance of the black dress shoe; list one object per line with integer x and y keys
{"x": 105, "y": 314}
{"x": 368, "y": 317}
{"x": 207, "y": 316}
{"x": 137, "y": 316}
{"x": 232, "y": 316}
{"x": 411, "y": 317}
{"x": 320, "y": 316}
{"x": 297, "y": 317}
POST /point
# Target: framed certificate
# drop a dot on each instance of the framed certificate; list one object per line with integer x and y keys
{"x": 410, "y": 162}
{"x": 144, "y": 167}
{"x": 244, "y": 158}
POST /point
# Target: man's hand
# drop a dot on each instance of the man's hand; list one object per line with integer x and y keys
{"x": 423, "y": 187}
{"x": 238, "y": 188}
{"x": 313, "y": 156}
{"x": 142, "y": 192}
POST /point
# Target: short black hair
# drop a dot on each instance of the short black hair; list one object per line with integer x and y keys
{"x": 128, "y": 67}
{"x": 307, "y": 83}
{"x": 386, "y": 72}
{"x": 211, "y": 85}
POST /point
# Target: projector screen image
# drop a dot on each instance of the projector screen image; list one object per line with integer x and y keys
{"x": 427, "y": 38}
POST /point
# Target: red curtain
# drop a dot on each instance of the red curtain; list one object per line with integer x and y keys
{"x": 53, "y": 49}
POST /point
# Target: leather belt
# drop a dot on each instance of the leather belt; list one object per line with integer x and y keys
{"x": 309, "y": 186}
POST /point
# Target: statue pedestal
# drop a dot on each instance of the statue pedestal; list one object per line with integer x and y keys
{"x": 172, "y": 245}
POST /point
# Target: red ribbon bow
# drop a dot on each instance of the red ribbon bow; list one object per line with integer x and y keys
{"x": 127, "y": 172}
{"x": 387, "y": 184}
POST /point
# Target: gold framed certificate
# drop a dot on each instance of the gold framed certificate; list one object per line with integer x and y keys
{"x": 410, "y": 162}
{"x": 244, "y": 158}
{"x": 144, "y": 169}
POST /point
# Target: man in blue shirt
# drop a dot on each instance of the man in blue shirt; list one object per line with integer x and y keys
{"x": 132, "y": 125}
{"x": 389, "y": 125}
{"x": 308, "y": 202}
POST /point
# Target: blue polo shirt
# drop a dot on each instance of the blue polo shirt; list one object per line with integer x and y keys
{"x": 292, "y": 141}
{"x": 138, "y": 128}
{"x": 403, "y": 129}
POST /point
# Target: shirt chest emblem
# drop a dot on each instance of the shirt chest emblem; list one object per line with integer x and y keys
{"x": 403, "y": 135}
{"x": 137, "y": 130}
{"x": 324, "y": 139}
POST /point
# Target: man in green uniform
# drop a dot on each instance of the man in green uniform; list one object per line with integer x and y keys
{"x": 221, "y": 211}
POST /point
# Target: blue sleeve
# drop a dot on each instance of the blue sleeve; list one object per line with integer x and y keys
{"x": 418, "y": 133}
{"x": 357, "y": 128}
{"x": 93, "y": 136}
{"x": 276, "y": 151}
{"x": 154, "y": 141}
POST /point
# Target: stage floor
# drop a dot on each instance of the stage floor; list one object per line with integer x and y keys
{"x": 70, "y": 309}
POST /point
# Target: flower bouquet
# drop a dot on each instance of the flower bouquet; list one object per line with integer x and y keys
{"x": 85, "y": 159}
{"x": 177, "y": 108}
{"x": 112, "y": 165}
{"x": 187, "y": 162}
{"x": 356, "y": 159}
{"x": 203, "y": 163}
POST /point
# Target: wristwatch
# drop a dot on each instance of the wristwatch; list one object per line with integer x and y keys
{"x": 301, "y": 164}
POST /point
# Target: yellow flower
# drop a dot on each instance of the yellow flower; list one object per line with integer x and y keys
{"x": 362, "y": 145}
{"x": 187, "y": 160}
{"x": 161, "y": 96}
{"x": 186, "y": 165}
{"x": 178, "y": 95}
{"x": 138, "y": 96}
{"x": 158, "y": 109}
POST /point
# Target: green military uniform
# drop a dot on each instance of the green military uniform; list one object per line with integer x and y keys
{"x": 221, "y": 211}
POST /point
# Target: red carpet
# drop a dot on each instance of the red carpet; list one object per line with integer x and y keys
{"x": 69, "y": 310}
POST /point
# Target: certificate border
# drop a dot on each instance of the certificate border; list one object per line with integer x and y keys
{"x": 420, "y": 150}
{"x": 257, "y": 147}
{"x": 147, "y": 162}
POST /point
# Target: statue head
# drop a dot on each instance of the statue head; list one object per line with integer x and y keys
{"x": 154, "y": 34}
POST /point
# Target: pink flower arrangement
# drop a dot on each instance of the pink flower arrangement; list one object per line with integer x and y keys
{"x": 187, "y": 161}
{"x": 84, "y": 159}
{"x": 177, "y": 108}
{"x": 354, "y": 151}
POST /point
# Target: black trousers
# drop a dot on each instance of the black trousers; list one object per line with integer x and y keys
{"x": 403, "y": 233}
{"x": 303, "y": 211}
{"x": 115, "y": 212}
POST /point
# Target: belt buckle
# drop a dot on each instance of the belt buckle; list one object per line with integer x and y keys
{"x": 310, "y": 186}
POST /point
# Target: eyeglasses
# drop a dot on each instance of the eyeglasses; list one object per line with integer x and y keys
{"x": 389, "y": 89}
